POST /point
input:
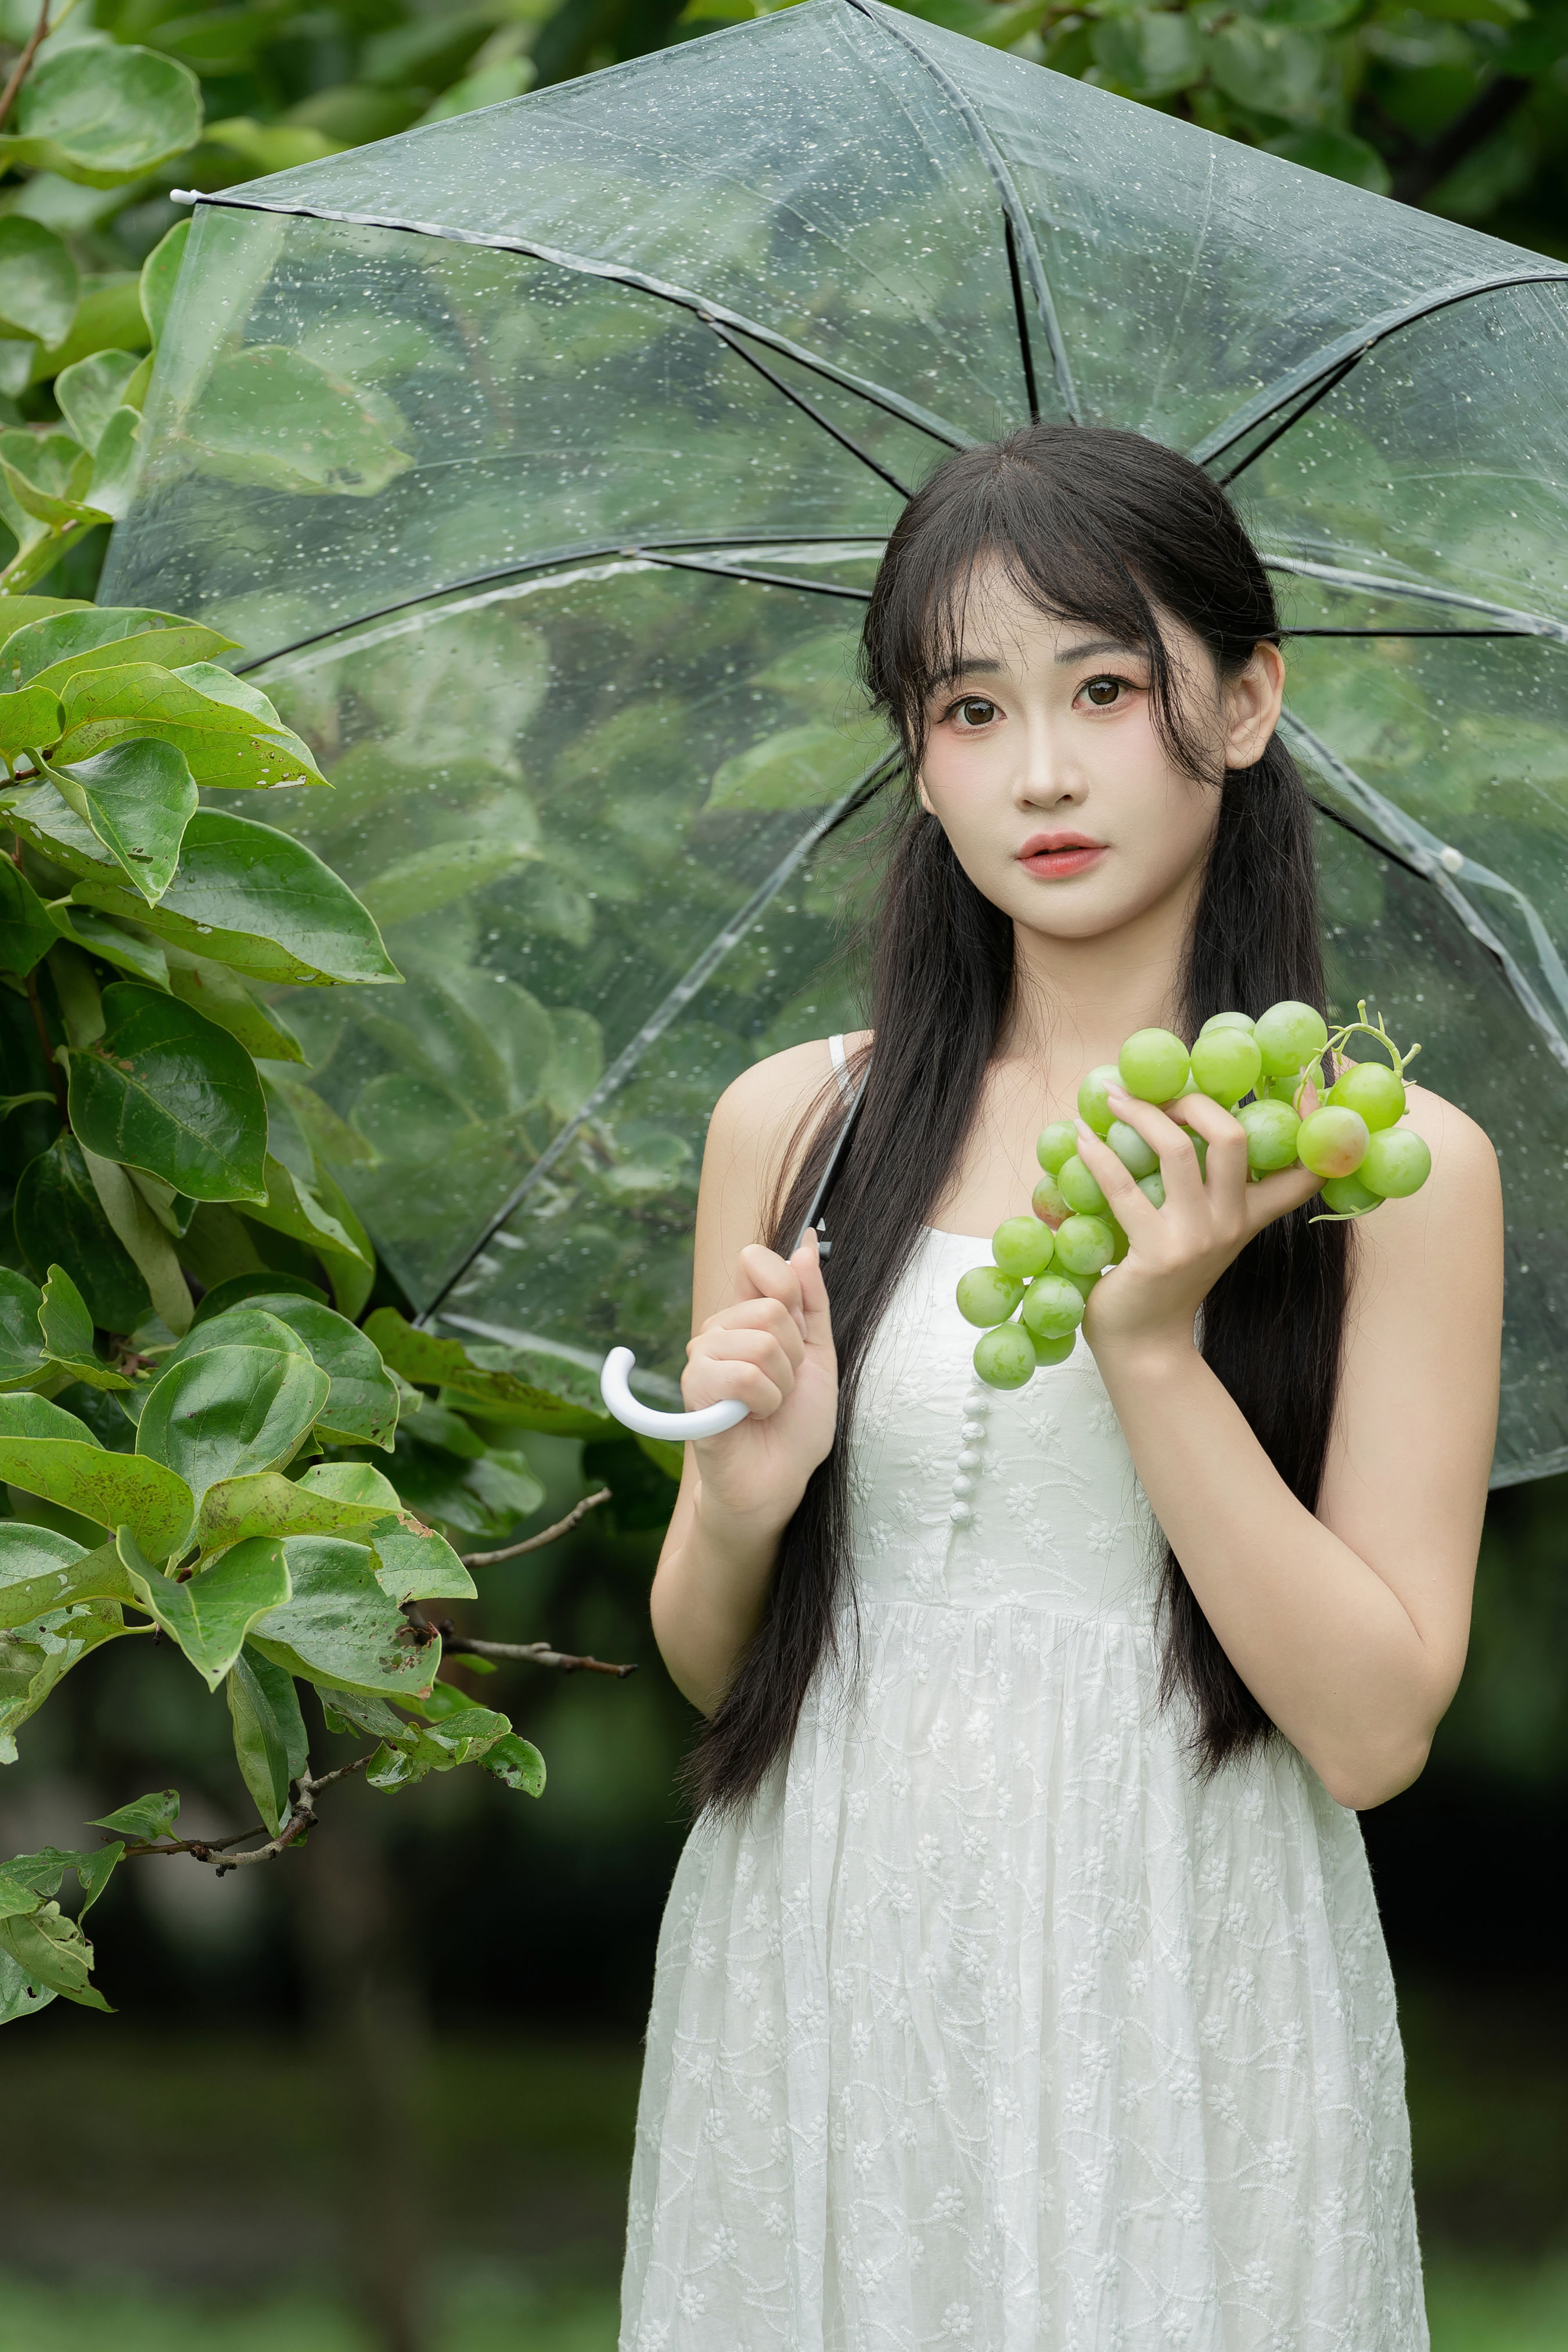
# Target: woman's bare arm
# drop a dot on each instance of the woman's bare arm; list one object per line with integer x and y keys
{"x": 762, "y": 1332}
{"x": 1350, "y": 1628}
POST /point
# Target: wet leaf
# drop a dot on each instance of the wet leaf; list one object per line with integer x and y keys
{"x": 90, "y": 392}
{"x": 39, "y": 281}
{"x": 272, "y": 416}
{"x": 228, "y": 733}
{"x": 167, "y": 1090}
{"x": 423, "y": 1357}
{"x": 31, "y": 720}
{"x": 102, "y": 114}
{"x": 21, "y": 1348}
{"x": 211, "y": 1612}
{"x": 53, "y": 648}
{"x": 41, "y": 1571}
{"x": 264, "y": 1503}
{"x": 137, "y": 798}
{"x": 67, "y": 1331}
{"x": 151, "y": 1817}
{"x": 59, "y": 1217}
{"x": 229, "y": 1411}
{"x": 340, "y": 1629}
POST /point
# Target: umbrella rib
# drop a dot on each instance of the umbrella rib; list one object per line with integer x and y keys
{"x": 1013, "y": 210}
{"x": 746, "y": 572}
{"x": 1328, "y": 384}
{"x": 1021, "y": 317}
{"x": 868, "y": 781}
{"x": 1423, "y": 855}
{"x": 1355, "y": 345}
{"x": 807, "y": 407}
{"x": 908, "y": 411}
{"x": 1409, "y": 632}
{"x": 563, "y": 556}
{"x": 1524, "y": 625}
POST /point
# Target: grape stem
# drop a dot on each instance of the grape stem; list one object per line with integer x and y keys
{"x": 1361, "y": 1026}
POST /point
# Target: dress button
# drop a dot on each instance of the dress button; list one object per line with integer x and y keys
{"x": 973, "y": 1432}
{"x": 979, "y": 1404}
{"x": 969, "y": 1459}
{"x": 962, "y": 1487}
{"x": 961, "y": 1514}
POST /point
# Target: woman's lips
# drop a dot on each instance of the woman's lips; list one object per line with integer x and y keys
{"x": 1054, "y": 861}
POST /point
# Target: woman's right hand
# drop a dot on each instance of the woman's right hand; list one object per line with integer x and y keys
{"x": 774, "y": 1350}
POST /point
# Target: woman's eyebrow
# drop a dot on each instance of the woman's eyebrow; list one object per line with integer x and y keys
{"x": 966, "y": 666}
{"x": 1098, "y": 645}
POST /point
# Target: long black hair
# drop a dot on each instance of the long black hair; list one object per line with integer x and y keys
{"x": 1108, "y": 528}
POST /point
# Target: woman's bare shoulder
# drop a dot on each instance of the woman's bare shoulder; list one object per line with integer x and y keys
{"x": 1452, "y": 1226}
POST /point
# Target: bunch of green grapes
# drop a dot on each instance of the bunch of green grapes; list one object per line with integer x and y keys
{"x": 1030, "y": 1301}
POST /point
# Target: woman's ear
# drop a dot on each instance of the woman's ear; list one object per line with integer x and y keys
{"x": 923, "y": 796}
{"x": 1252, "y": 701}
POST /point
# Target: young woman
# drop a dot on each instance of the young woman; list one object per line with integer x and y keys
{"x": 1021, "y": 1987}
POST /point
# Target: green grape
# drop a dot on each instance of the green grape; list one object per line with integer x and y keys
{"x": 1397, "y": 1163}
{"x": 1153, "y": 1188}
{"x": 1047, "y": 1201}
{"x": 1080, "y": 1188}
{"x": 1022, "y": 1245}
{"x": 987, "y": 1296}
{"x": 1053, "y": 1308}
{"x": 1226, "y": 1021}
{"x": 1055, "y": 1352}
{"x": 1094, "y": 1102}
{"x": 1058, "y": 1142}
{"x": 1333, "y": 1141}
{"x": 1200, "y": 1144}
{"x": 1347, "y": 1196}
{"x": 1121, "y": 1242}
{"x": 1139, "y": 1159}
{"x": 1290, "y": 1036}
{"x": 1372, "y": 1089}
{"x": 1272, "y": 1128}
{"x": 1084, "y": 1245}
{"x": 1083, "y": 1283}
{"x": 1154, "y": 1066}
{"x": 1226, "y": 1065}
{"x": 1004, "y": 1359}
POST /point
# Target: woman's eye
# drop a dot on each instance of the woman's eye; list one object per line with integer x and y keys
{"x": 974, "y": 711}
{"x": 1101, "y": 692}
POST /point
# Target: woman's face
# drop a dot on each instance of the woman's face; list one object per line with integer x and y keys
{"x": 1045, "y": 769}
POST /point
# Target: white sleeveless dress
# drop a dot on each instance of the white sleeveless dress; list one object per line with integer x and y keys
{"x": 994, "y": 2027}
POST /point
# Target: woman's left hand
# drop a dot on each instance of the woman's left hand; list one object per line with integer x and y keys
{"x": 1177, "y": 1253}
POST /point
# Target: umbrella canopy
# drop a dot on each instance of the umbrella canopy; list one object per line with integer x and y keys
{"x": 541, "y": 457}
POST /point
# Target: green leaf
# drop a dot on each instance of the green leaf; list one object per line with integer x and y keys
{"x": 362, "y": 1407}
{"x": 41, "y": 1571}
{"x": 802, "y": 767}
{"x": 1149, "y": 52}
{"x": 24, "y": 1415}
{"x": 151, "y": 1817}
{"x": 116, "y": 463}
{"x": 351, "y": 1481}
{"x": 229, "y": 1411}
{"x": 1271, "y": 69}
{"x": 137, "y": 798}
{"x": 90, "y": 392}
{"x": 43, "y": 479}
{"x": 291, "y": 1207}
{"x": 670, "y": 1456}
{"x": 143, "y": 1231}
{"x": 19, "y": 1996}
{"x": 39, "y": 281}
{"x": 259, "y": 1746}
{"x": 59, "y": 1218}
{"x": 167, "y": 1090}
{"x": 357, "y": 1711}
{"x": 464, "y": 1736}
{"x": 421, "y": 1357}
{"x": 21, "y": 1355}
{"x": 101, "y": 115}
{"x": 264, "y": 1503}
{"x": 215, "y": 991}
{"x": 159, "y": 272}
{"x": 438, "y": 1425}
{"x": 237, "y": 1327}
{"x": 29, "y": 721}
{"x": 100, "y": 935}
{"x": 112, "y": 1490}
{"x": 67, "y": 1329}
{"x": 415, "y": 1563}
{"x": 340, "y": 1629}
{"x": 223, "y": 737}
{"x": 211, "y": 1612}
{"x": 240, "y": 1287}
{"x": 52, "y": 648}
{"x": 35, "y": 1658}
{"x": 49, "y": 1948}
{"x": 517, "y": 1762}
{"x": 245, "y": 896}
{"x": 268, "y": 415}
{"x": 25, "y": 925}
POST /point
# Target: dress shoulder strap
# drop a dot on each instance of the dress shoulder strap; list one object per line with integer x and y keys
{"x": 840, "y": 1061}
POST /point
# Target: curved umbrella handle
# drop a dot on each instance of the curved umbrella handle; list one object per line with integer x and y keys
{"x": 648, "y": 1422}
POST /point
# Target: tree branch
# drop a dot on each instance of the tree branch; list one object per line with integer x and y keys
{"x": 19, "y": 70}
{"x": 1426, "y": 167}
{"x": 537, "y": 1653}
{"x": 537, "y": 1543}
{"x": 215, "y": 1851}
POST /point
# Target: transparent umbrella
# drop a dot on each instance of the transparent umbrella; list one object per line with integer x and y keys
{"x": 540, "y": 458}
